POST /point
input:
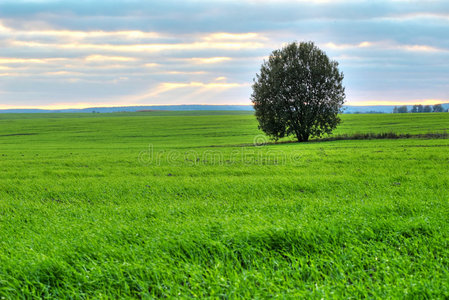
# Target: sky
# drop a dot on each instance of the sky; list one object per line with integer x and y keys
{"x": 82, "y": 53}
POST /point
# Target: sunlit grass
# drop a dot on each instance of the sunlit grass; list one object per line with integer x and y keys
{"x": 146, "y": 205}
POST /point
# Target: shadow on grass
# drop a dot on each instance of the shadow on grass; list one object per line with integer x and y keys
{"x": 347, "y": 137}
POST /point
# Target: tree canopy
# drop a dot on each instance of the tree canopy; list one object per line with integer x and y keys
{"x": 298, "y": 92}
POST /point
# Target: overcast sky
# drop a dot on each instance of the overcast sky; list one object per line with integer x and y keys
{"x": 113, "y": 53}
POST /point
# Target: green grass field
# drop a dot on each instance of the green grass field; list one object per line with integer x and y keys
{"x": 181, "y": 204}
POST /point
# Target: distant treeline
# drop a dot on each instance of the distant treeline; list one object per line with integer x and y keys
{"x": 367, "y": 112}
{"x": 418, "y": 108}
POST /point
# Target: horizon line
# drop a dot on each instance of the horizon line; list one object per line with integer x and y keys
{"x": 87, "y": 105}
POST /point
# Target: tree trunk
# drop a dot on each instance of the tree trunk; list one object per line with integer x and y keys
{"x": 302, "y": 137}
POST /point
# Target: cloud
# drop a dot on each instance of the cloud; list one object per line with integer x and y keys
{"x": 209, "y": 51}
{"x": 386, "y": 45}
{"x": 226, "y": 36}
{"x": 17, "y": 60}
{"x": 104, "y": 58}
{"x": 198, "y": 86}
{"x": 139, "y": 47}
{"x": 78, "y": 34}
{"x": 209, "y": 60}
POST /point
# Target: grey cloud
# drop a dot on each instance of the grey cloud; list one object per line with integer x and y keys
{"x": 203, "y": 16}
{"x": 377, "y": 72}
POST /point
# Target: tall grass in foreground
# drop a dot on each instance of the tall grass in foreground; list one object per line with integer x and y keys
{"x": 82, "y": 215}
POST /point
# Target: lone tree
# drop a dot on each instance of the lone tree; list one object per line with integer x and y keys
{"x": 298, "y": 92}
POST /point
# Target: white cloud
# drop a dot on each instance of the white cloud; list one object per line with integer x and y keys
{"x": 105, "y": 58}
{"x": 165, "y": 53}
{"x": 194, "y": 85}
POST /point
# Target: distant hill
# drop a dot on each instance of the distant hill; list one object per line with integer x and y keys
{"x": 133, "y": 109}
{"x": 347, "y": 109}
{"x": 25, "y": 111}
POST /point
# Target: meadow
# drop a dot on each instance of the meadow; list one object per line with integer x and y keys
{"x": 183, "y": 204}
